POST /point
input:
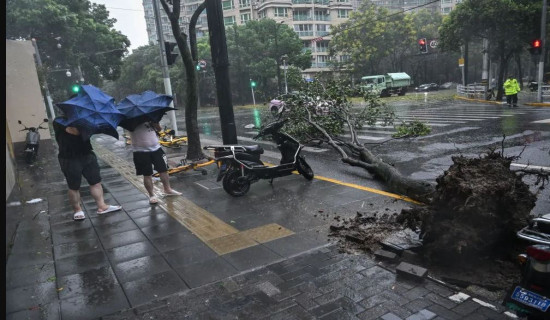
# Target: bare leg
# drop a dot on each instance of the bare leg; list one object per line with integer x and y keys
{"x": 165, "y": 179}
{"x": 148, "y": 183}
{"x": 97, "y": 193}
{"x": 74, "y": 200}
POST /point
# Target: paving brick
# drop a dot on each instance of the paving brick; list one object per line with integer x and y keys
{"x": 399, "y": 311}
{"x": 445, "y": 302}
{"x": 325, "y": 309}
{"x": 390, "y": 316}
{"x": 339, "y": 314}
{"x": 387, "y": 255}
{"x": 411, "y": 271}
{"x": 305, "y": 302}
{"x": 417, "y": 305}
{"x": 438, "y": 288}
{"x": 466, "y": 307}
{"x": 372, "y": 313}
{"x": 427, "y": 314}
{"x": 416, "y": 292}
{"x": 444, "y": 312}
{"x": 295, "y": 312}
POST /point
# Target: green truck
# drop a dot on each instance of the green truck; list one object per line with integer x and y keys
{"x": 387, "y": 84}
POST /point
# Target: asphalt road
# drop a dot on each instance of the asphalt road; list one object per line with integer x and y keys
{"x": 458, "y": 127}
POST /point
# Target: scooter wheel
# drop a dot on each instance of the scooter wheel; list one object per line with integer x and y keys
{"x": 234, "y": 184}
{"x": 303, "y": 168}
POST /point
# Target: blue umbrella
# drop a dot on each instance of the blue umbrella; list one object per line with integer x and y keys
{"x": 144, "y": 107}
{"x": 91, "y": 111}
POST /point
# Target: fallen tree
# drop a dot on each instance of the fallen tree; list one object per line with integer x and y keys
{"x": 473, "y": 208}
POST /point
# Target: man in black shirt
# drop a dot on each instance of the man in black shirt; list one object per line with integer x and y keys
{"x": 77, "y": 159}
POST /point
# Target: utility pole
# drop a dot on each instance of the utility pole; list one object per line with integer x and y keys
{"x": 543, "y": 52}
{"x": 485, "y": 71}
{"x": 165, "y": 72}
{"x": 39, "y": 62}
{"x": 220, "y": 63}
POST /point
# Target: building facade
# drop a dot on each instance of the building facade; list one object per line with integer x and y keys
{"x": 312, "y": 20}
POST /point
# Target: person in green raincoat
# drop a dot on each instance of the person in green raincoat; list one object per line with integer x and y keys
{"x": 511, "y": 89}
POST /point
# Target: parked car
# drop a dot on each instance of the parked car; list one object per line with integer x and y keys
{"x": 447, "y": 85}
{"x": 427, "y": 87}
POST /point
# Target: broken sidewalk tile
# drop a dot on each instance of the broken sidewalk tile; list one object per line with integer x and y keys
{"x": 355, "y": 238}
{"x": 459, "y": 297}
{"x": 383, "y": 254}
{"x": 411, "y": 271}
{"x": 485, "y": 304}
{"x": 391, "y": 247}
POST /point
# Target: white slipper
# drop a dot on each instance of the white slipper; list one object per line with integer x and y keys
{"x": 79, "y": 215}
{"x": 110, "y": 209}
{"x": 153, "y": 200}
{"x": 173, "y": 193}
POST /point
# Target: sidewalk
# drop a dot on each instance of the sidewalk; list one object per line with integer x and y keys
{"x": 205, "y": 255}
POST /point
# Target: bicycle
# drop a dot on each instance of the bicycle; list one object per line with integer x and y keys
{"x": 167, "y": 138}
{"x": 184, "y": 166}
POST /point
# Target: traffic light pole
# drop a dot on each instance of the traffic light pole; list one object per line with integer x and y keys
{"x": 252, "y": 88}
{"x": 165, "y": 72}
{"x": 543, "y": 52}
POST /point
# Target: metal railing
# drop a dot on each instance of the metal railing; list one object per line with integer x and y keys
{"x": 474, "y": 91}
{"x": 546, "y": 93}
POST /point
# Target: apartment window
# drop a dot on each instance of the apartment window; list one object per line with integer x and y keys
{"x": 322, "y": 30}
{"x": 280, "y": 12}
{"x": 228, "y": 5}
{"x": 344, "y": 58}
{"x": 303, "y": 30}
{"x": 244, "y": 3}
{"x": 446, "y": 10}
{"x": 245, "y": 18}
{"x": 262, "y": 14}
{"x": 321, "y": 46}
{"x": 446, "y": 1}
{"x": 343, "y": 1}
{"x": 229, "y": 20}
{"x": 343, "y": 13}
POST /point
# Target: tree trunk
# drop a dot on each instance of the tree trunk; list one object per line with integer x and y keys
{"x": 194, "y": 149}
{"x": 520, "y": 71}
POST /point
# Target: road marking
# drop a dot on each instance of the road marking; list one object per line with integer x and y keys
{"x": 356, "y": 186}
{"x": 214, "y": 232}
{"x": 542, "y": 121}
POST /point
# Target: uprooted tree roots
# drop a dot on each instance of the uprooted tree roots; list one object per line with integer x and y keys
{"x": 478, "y": 206}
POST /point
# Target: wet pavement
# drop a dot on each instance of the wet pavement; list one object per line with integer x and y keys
{"x": 204, "y": 255}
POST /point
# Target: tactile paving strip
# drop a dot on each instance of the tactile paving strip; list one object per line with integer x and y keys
{"x": 218, "y": 235}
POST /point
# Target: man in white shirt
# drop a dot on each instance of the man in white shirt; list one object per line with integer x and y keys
{"x": 148, "y": 154}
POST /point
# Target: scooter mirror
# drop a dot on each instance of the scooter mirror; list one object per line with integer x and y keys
{"x": 19, "y": 121}
{"x": 45, "y": 120}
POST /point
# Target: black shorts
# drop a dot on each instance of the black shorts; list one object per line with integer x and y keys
{"x": 75, "y": 168}
{"x": 145, "y": 161}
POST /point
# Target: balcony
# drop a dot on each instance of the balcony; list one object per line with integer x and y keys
{"x": 322, "y": 33}
{"x": 322, "y": 2}
{"x": 323, "y": 17}
{"x": 301, "y": 18}
{"x": 302, "y": 1}
{"x": 304, "y": 33}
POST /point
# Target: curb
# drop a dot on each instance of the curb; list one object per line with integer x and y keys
{"x": 533, "y": 104}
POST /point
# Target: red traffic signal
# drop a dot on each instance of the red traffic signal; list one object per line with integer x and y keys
{"x": 536, "y": 46}
{"x": 423, "y": 45}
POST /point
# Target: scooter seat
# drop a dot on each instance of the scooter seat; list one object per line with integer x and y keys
{"x": 254, "y": 149}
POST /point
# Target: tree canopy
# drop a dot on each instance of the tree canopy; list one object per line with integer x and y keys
{"x": 69, "y": 34}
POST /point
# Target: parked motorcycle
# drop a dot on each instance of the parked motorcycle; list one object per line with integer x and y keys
{"x": 240, "y": 166}
{"x": 32, "y": 141}
{"x": 531, "y": 296}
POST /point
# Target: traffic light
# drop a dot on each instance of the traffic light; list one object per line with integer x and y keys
{"x": 252, "y": 84}
{"x": 423, "y": 45}
{"x": 198, "y": 67}
{"x": 75, "y": 88}
{"x": 170, "y": 57}
{"x": 536, "y": 46}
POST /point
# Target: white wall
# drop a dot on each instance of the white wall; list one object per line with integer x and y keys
{"x": 24, "y": 99}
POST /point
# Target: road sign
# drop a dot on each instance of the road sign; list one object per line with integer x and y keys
{"x": 433, "y": 44}
{"x": 202, "y": 63}
{"x": 461, "y": 62}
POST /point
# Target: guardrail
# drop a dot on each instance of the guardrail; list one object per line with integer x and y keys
{"x": 546, "y": 93}
{"x": 474, "y": 91}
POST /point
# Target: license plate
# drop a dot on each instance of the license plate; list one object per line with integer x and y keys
{"x": 531, "y": 299}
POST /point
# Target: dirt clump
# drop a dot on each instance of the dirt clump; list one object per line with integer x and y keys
{"x": 478, "y": 207}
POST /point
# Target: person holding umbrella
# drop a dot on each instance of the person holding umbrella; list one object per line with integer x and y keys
{"x": 142, "y": 116}
{"x": 77, "y": 159}
{"x": 89, "y": 112}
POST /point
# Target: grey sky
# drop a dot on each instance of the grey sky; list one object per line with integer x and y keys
{"x": 130, "y": 19}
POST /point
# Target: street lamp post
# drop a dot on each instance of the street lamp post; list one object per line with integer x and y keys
{"x": 284, "y": 58}
{"x": 278, "y": 24}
